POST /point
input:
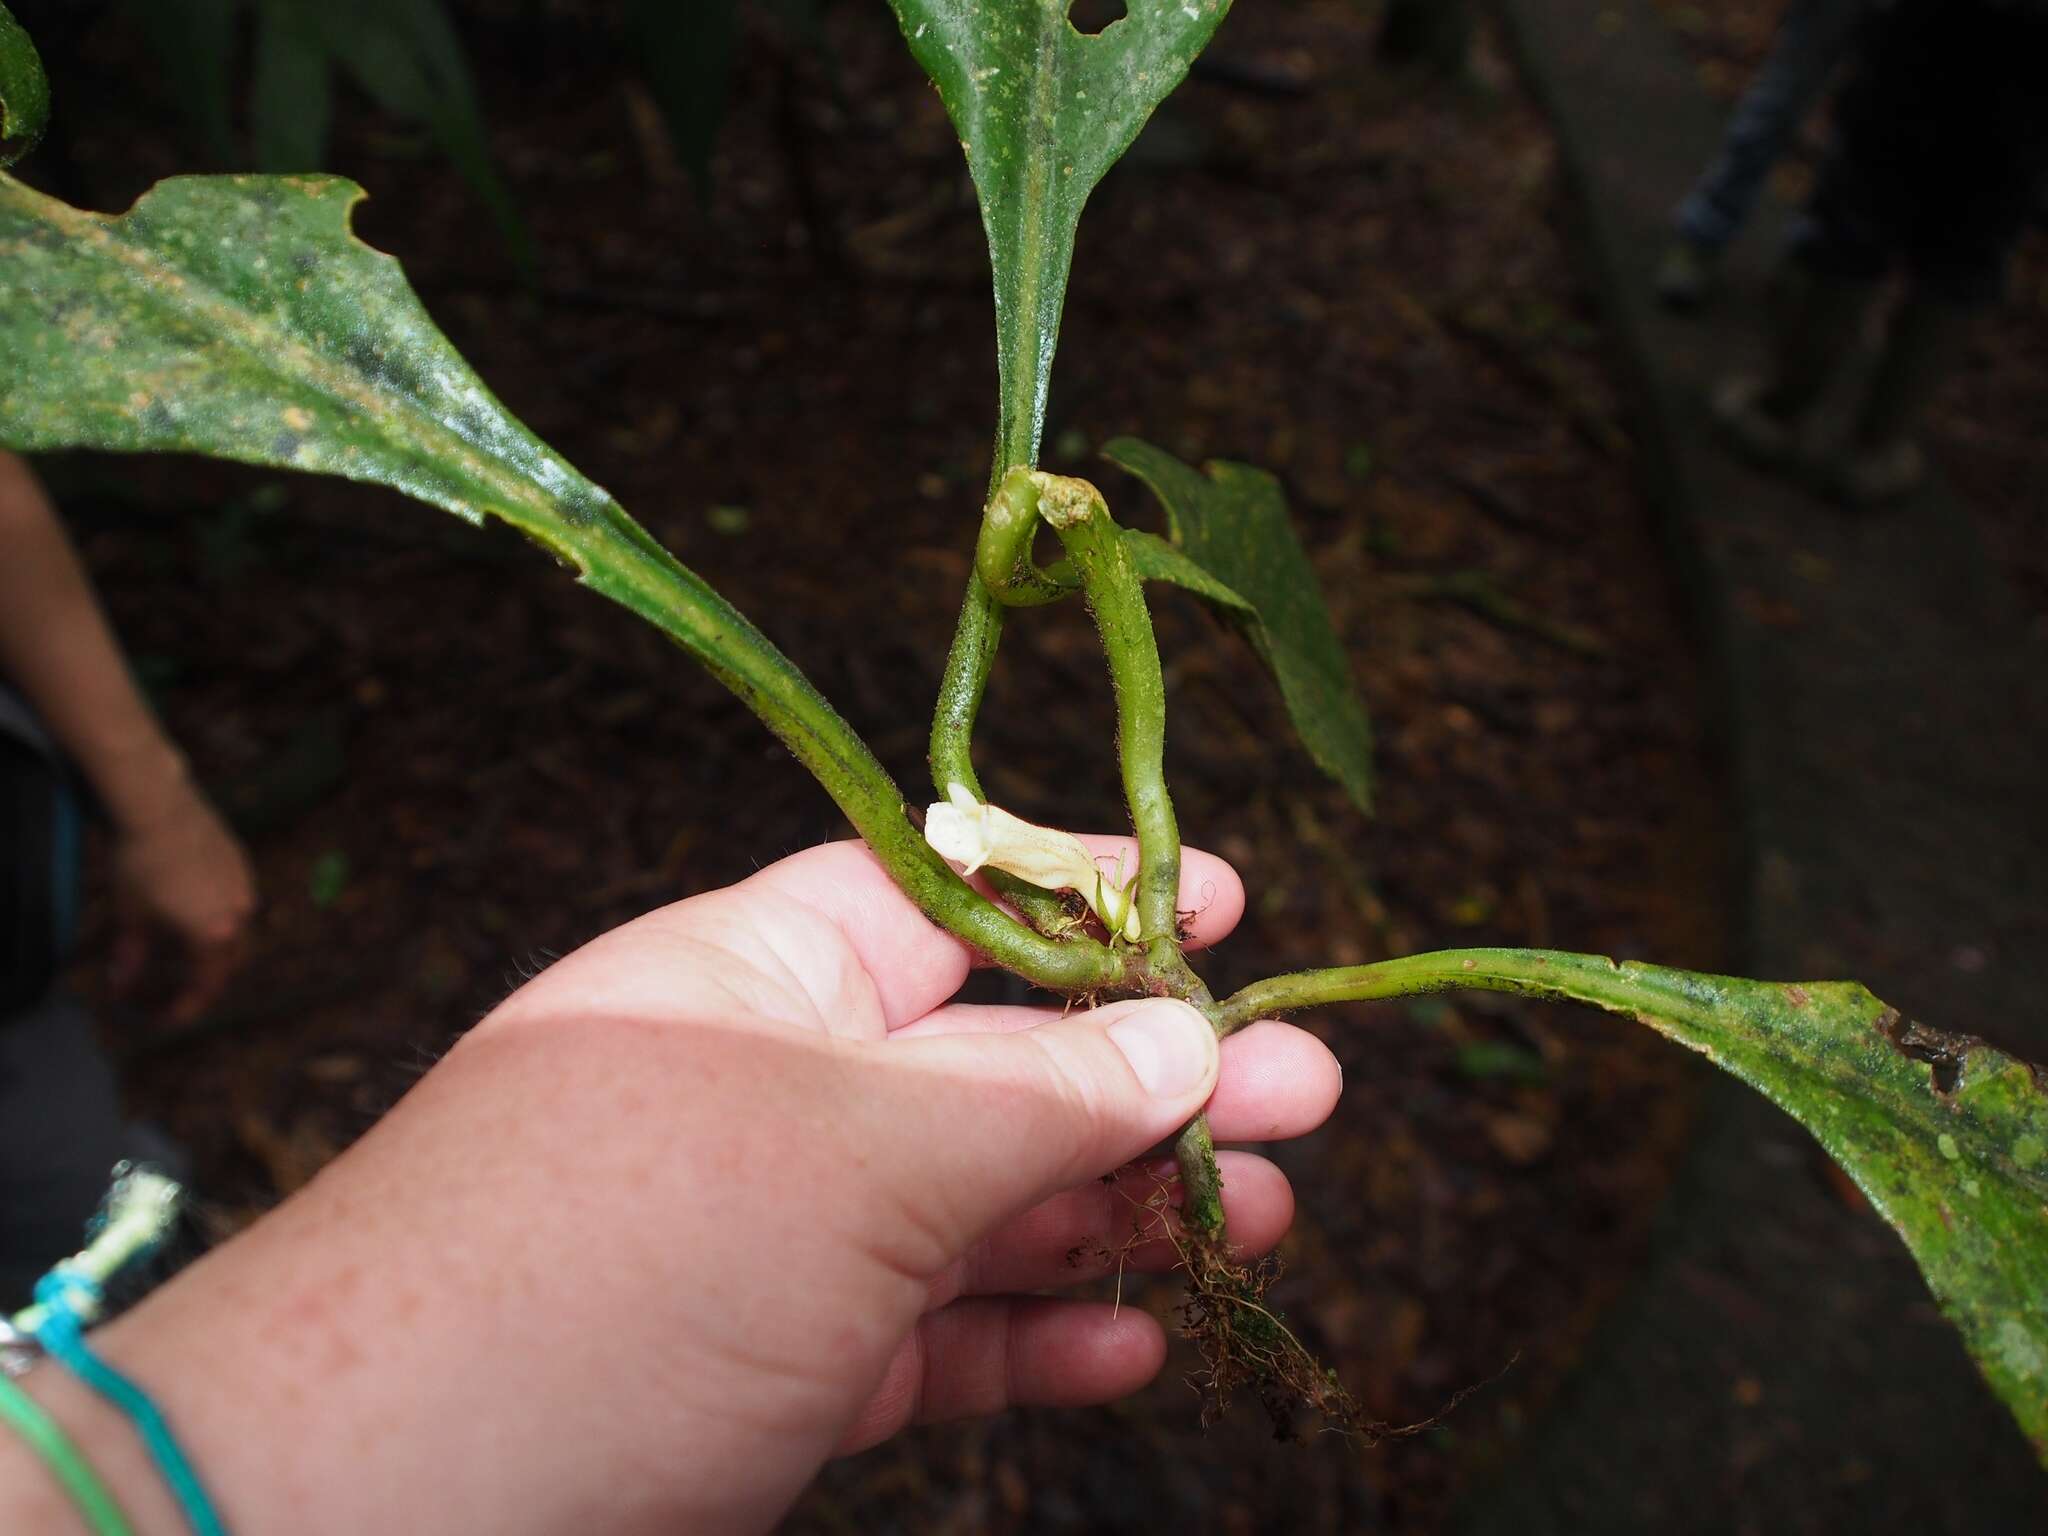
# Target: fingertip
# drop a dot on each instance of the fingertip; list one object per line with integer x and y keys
{"x": 1071, "y": 1354}
{"x": 1277, "y": 1081}
{"x": 1258, "y": 1200}
{"x": 1211, "y": 897}
{"x": 916, "y": 965}
{"x": 981, "y": 1356}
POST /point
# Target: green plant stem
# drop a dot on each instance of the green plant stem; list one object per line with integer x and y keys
{"x": 634, "y": 570}
{"x": 1002, "y": 553}
{"x": 952, "y": 755}
{"x": 1115, "y": 594}
{"x": 1201, "y": 1182}
{"x": 1194, "y": 1150}
{"x": 1117, "y": 597}
{"x": 1548, "y": 973}
{"x": 975, "y": 637}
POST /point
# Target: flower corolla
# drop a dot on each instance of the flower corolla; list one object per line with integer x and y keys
{"x": 976, "y": 835}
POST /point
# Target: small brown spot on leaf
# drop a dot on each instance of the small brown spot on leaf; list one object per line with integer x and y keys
{"x": 1798, "y": 996}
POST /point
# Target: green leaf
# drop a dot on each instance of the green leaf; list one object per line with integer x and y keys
{"x": 24, "y": 91}
{"x": 1946, "y": 1135}
{"x": 238, "y": 316}
{"x": 1231, "y": 525}
{"x": 1042, "y": 112}
{"x": 1156, "y": 560}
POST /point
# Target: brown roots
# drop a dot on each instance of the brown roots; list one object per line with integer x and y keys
{"x": 1246, "y": 1344}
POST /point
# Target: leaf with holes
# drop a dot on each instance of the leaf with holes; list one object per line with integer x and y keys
{"x": 1230, "y": 532}
{"x": 1042, "y": 112}
{"x": 1947, "y": 1135}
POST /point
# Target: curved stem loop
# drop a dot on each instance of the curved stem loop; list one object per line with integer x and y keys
{"x": 1117, "y": 597}
{"x": 1002, "y": 554}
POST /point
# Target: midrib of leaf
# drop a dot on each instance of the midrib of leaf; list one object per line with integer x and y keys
{"x": 1028, "y": 377}
{"x": 1702, "y": 1012}
{"x": 1939, "y": 1161}
{"x": 1694, "y": 1012}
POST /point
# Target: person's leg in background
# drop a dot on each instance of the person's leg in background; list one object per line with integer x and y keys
{"x": 60, "y": 1114}
{"x": 60, "y": 1137}
{"x": 1811, "y": 41}
{"x": 1843, "y": 245}
{"x": 1979, "y": 119}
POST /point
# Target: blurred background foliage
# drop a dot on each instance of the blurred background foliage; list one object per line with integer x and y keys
{"x": 255, "y": 84}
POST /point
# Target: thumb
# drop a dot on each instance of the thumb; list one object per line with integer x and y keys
{"x": 1026, "y": 1114}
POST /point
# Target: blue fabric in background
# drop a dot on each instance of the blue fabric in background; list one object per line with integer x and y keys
{"x": 67, "y": 842}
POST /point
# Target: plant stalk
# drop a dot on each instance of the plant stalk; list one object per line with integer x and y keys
{"x": 1117, "y": 597}
{"x": 631, "y": 568}
{"x": 952, "y": 741}
{"x": 1546, "y": 973}
{"x": 1201, "y": 1181}
{"x": 1002, "y": 554}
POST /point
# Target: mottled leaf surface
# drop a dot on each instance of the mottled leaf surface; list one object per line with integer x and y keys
{"x": 1231, "y": 525}
{"x": 1946, "y": 1135}
{"x": 24, "y": 91}
{"x": 1042, "y": 112}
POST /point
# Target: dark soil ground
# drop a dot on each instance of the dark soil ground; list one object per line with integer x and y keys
{"x": 453, "y": 765}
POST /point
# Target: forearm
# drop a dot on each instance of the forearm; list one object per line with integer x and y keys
{"x": 401, "y": 1346}
{"x": 32, "y": 1500}
{"x": 57, "y": 648}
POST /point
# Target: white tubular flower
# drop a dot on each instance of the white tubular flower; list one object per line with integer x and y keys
{"x": 974, "y": 835}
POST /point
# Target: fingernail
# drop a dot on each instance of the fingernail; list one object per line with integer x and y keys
{"x": 1168, "y": 1045}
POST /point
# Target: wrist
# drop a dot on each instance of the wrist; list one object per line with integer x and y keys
{"x": 144, "y": 784}
{"x": 30, "y": 1496}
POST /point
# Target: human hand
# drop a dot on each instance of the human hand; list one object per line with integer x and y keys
{"x": 181, "y": 874}
{"x": 729, "y": 1189}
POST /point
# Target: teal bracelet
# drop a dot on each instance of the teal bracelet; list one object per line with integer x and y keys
{"x": 65, "y": 1297}
{"x": 57, "y": 1451}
